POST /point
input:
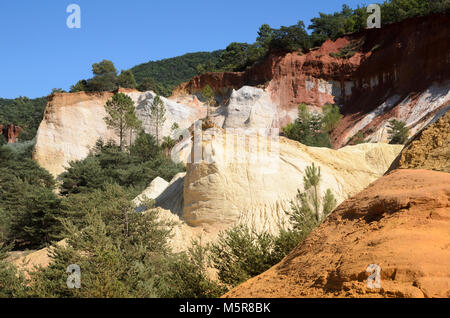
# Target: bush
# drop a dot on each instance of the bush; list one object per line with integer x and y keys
{"x": 357, "y": 139}
{"x": 398, "y": 132}
{"x": 23, "y": 112}
{"x": 122, "y": 253}
{"x": 108, "y": 164}
{"x": 28, "y": 207}
{"x": 313, "y": 129}
{"x": 240, "y": 254}
{"x": 188, "y": 277}
{"x": 12, "y": 281}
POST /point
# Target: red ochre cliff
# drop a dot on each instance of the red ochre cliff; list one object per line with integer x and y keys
{"x": 399, "y": 61}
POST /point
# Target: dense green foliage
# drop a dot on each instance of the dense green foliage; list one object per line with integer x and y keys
{"x": 121, "y": 116}
{"x": 122, "y": 253}
{"x": 398, "y": 132}
{"x": 29, "y": 209}
{"x": 132, "y": 170}
{"x": 312, "y": 128}
{"x": 164, "y": 75}
{"x": 332, "y": 26}
{"x": 23, "y": 112}
{"x": 105, "y": 79}
{"x": 12, "y": 281}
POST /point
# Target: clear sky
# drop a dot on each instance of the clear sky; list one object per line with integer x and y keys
{"x": 38, "y": 52}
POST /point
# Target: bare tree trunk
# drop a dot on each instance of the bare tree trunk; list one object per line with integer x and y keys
{"x": 131, "y": 136}
{"x": 316, "y": 204}
{"x": 121, "y": 134}
{"x": 126, "y": 222}
{"x": 157, "y": 131}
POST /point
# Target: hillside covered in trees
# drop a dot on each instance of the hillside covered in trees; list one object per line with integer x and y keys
{"x": 168, "y": 73}
{"x": 24, "y": 112}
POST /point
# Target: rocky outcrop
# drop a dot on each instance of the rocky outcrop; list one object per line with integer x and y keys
{"x": 248, "y": 107}
{"x": 399, "y": 71}
{"x": 73, "y": 122}
{"x": 430, "y": 148}
{"x": 11, "y": 133}
{"x": 254, "y": 185}
{"x": 171, "y": 198}
{"x": 399, "y": 223}
{"x": 156, "y": 187}
{"x": 244, "y": 177}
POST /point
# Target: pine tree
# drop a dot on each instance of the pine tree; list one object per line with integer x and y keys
{"x": 321, "y": 207}
{"x": 121, "y": 113}
{"x": 208, "y": 96}
{"x": 133, "y": 124}
{"x": 157, "y": 115}
{"x": 126, "y": 79}
{"x": 398, "y": 132}
{"x": 311, "y": 181}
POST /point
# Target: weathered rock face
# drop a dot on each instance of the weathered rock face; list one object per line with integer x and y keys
{"x": 11, "y": 133}
{"x": 74, "y": 122}
{"x": 156, "y": 187}
{"x": 429, "y": 149}
{"x": 399, "y": 223}
{"x": 248, "y": 107}
{"x": 400, "y": 71}
{"x": 255, "y": 183}
{"x": 416, "y": 110}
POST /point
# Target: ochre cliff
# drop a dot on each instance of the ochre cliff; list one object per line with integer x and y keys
{"x": 73, "y": 122}
{"x": 401, "y": 71}
{"x": 400, "y": 223}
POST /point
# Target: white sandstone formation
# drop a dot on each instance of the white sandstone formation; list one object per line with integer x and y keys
{"x": 251, "y": 179}
{"x": 73, "y": 122}
{"x": 248, "y": 107}
{"x": 255, "y": 187}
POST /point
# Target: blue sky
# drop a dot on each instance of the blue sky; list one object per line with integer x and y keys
{"x": 38, "y": 52}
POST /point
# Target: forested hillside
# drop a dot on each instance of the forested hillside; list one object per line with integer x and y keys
{"x": 168, "y": 73}
{"x": 24, "y": 112}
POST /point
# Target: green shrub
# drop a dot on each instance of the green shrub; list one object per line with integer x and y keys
{"x": 356, "y": 139}
{"x": 348, "y": 51}
{"x": 12, "y": 281}
{"x": 28, "y": 207}
{"x": 240, "y": 254}
{"x": 188, "y": 277}
{"x": 313, "y": 129}
{"x": 398, "y": 132}
{"x": 108, "y": 164}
